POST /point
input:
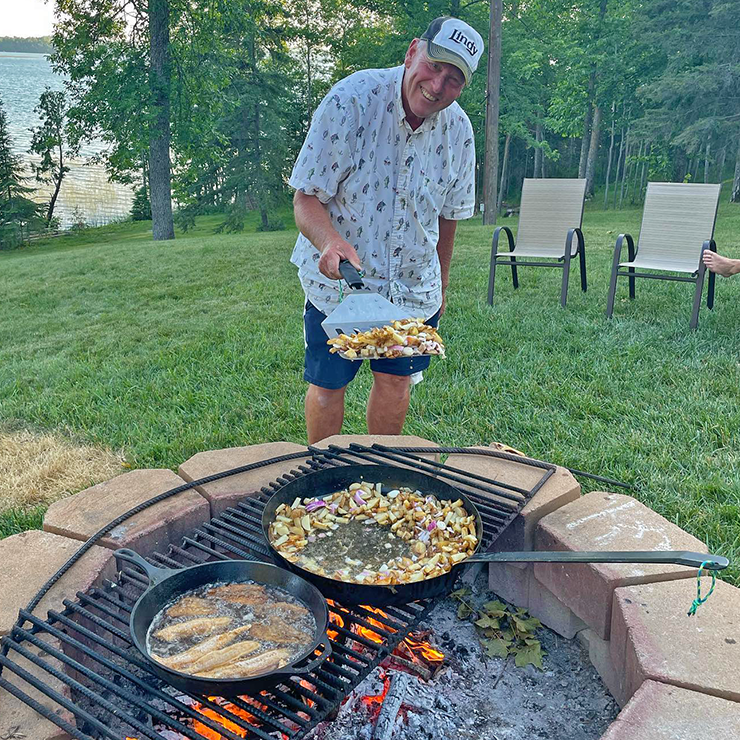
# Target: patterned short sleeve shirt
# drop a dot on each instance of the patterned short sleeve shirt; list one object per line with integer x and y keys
{"x": 385, "y": 187}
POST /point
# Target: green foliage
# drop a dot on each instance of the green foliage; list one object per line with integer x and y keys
{"x": 19, "y": 215}
{"x": 141, "y": 207}
{"x": 503, "y": 629}
{"x": 51, "y": 141}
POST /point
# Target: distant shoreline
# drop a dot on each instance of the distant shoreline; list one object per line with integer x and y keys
{"x": 14, "y": 44}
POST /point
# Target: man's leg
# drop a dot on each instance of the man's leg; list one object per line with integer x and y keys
{"x": 388, "y": 403}
{"x": 324, "y": 412}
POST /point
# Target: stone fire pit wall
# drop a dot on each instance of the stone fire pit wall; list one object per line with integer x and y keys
{"x": 677, "y": 678}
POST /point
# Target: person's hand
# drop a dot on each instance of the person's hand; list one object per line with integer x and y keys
{"x": 330, "y": 257}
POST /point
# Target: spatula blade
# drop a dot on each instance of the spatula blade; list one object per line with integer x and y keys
{"x": 361, "y": 312}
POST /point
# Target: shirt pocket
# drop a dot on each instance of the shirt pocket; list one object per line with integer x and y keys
{"x": 431, "y": 198}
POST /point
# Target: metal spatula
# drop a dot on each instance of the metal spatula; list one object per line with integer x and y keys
{"x": 360, "y": 311}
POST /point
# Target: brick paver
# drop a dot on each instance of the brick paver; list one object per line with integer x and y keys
{"x": 230, "y": 490}
{"x": 83, "y": 514}
{"x": 606, "y": 521}
{"x": 30, "y": 558}
{"x": 561, "y": 488}
{"x": 389, "y": 440}
{"x": 653, "y": 638}
{"x": 662, "y": 712}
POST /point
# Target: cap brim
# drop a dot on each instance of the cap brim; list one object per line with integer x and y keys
{"x": 442, "y": 54}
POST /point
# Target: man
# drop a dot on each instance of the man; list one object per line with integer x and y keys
{"x": 725, "y": 266}
{"x": 386, "y": 171}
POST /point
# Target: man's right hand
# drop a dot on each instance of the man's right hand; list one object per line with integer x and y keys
{"x": 331, "y": 255}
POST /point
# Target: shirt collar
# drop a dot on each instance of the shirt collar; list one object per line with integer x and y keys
{"x": 429, "y": 123}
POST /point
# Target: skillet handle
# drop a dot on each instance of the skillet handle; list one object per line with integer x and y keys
{"x": 691, "y": 559}
{"x": 154, "y": 574}
{"x": 325, "y": 647}
{"x": 350, "y": 274}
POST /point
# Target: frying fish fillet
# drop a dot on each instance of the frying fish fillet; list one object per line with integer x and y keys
{"x": 278, "y": 631}
{"x": 263, "y": 663}
{"x": 294, "y": 610}
{"x": 180, "y": 661}
{"x": 225, "y": 656}
{"x": 191, "y": 606}
{"x": 205, "y": 626}
{"x": 240, "y": 593}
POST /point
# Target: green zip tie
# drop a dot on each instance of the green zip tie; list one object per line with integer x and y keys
{"x": 698, "y": 601}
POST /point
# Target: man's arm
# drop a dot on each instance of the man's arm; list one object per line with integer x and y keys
{"x": 314, "y": 223}
{"x": 445, "y": 246}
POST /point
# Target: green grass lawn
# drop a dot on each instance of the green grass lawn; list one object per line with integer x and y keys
{"x": 167, "y": 349}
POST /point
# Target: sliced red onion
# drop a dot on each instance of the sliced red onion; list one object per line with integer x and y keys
{"x": 397, "y": 347}
{"x": 333, "y": 507}
{"x": 431, "y": 526}
{"x": 358, "y": 499}
{"x": 312, "y": 538}
{"x": 318, "y": 504}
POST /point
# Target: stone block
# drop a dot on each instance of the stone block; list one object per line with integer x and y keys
{"x": 222, "y": 494}
{"x": 658, "y": 711}
{"x": 551, "y": 611}
{"x": 17, "y": 719}
{"x": 389, "y": 440}
{"x": 511, "y": 583}
{"x": 561, "y": 488}
{"x": 30, "y": 558}
{"x": 165, "y": 523}
{"x": 654, "y": 639}
{"x": 600, "y": 656}
{"x": 606, "y": 521}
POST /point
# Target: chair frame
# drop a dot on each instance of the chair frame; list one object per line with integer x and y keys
{"x": 562, "y": 263}
{"x": 697, "y": 277}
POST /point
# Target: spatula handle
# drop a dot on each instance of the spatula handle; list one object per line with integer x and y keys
{"x": 350, "y": 274}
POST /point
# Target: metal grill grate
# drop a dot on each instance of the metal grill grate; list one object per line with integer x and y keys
{"x": 90, "y": 681}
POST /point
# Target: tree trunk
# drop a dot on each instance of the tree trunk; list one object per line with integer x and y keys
{"x": 735, "y": 195}
{"x": 632, "y": 185}
{"x": 609, "y": 163}
{"x": 160, "y": 187}
{"x": 624, "y": 167}
{"x": 721, "y": 163}
{"x": 490, "y": 176}
{"x": 57, "y": 186}
{"x": 593, "y": 151}
{"x": 643, "y": 172}
{"x": 706, "y": 162}
{"x": 584, "y": 141}
{"x": 537, "y": 150}
{"x": 619, "y": 164}
{"x": 504, "y": 174}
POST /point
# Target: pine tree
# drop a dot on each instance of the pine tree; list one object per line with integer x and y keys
{"x": 18, "y": 214}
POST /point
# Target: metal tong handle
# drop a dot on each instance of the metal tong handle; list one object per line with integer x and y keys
{"x": 350, "y": 274}
{"x": 676, "y": 557}
{"x": 154, "y": 574}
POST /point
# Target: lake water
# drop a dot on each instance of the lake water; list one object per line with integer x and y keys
{"x": 85, "y": 190}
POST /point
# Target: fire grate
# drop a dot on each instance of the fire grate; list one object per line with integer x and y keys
{"x": 91, "y": 682}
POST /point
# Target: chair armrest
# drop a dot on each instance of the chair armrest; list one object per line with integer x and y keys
{"x": 497, "y": 235}
{"x": 569, "y": 240}
{"x": 618, "y": 249}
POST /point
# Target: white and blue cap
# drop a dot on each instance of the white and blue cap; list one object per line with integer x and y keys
{"x": 455, "y": 42}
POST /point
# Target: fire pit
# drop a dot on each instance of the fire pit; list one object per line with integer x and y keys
{"x": 78, "y": 667}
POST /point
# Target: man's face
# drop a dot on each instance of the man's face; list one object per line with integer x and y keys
{"x": 429, "y": 86}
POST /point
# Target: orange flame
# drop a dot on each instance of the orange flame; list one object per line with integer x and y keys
{"x": 377, "y": 699}
{"x": 430, "y": 654}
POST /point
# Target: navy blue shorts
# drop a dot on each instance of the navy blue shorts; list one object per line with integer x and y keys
{"x": 330, "y": 371}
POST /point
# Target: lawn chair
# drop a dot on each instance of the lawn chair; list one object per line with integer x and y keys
{"x": 677, "y": 226}
{"x": 551, "y": 214}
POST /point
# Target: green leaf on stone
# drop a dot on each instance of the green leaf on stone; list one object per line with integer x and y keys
{"x": 529, "y": 654}
{"x": 495, "y": 608}
{"x": 527, "y": 626}
{"x": 461, "y": 592}
{"x": 463, "y": 610}
{"x": 496, "y": 647}
{"x": 486, "y": 622}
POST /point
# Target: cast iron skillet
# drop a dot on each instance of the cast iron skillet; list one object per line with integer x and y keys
{"x": 328, "y": 481}
{"x": 166, "y": 584}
